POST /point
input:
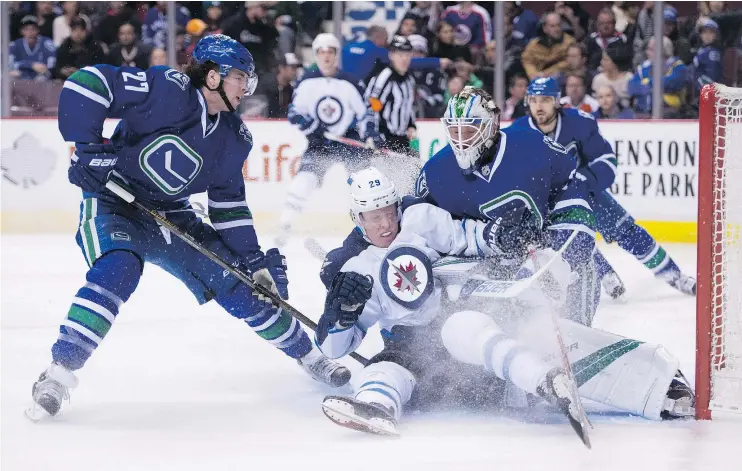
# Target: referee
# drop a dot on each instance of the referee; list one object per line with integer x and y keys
{"x": 391, "y": 94}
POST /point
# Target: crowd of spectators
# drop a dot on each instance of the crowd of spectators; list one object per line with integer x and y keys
{"x": 599, "y": 52}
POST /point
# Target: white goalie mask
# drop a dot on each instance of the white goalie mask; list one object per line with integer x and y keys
{"x": 370, "y": 189}
{"x": 471, "y": 122}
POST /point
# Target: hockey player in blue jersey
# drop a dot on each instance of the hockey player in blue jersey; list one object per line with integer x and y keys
{"x": 578, "y": 132}
{"x": 177, "y": 136}
{"x": 327, "y": 100}
{"x": 519, "y": 180}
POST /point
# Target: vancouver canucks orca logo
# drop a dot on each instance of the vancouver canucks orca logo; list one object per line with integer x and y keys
{"x": 406, "y": 275}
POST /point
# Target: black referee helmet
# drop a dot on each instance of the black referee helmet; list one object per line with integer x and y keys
{"x": 400, "y": 43}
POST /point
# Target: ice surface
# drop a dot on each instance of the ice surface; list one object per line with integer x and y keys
{"x": 180, "y": 387}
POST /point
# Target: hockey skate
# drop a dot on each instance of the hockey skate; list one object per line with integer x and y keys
{"x": 613, "y": 286}
{"x": 680, "y": 401}
{"x": 555, "y": 390}
{"x": 358, "y": 415}
{"x": 50, "y": 390}
{"x": 683, "y": 283}
{"x": 324, "y": 370}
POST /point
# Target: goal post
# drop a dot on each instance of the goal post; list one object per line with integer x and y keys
{"x": 719, "y": 290}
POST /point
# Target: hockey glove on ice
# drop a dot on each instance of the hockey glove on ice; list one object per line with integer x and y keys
{"x": 513, "y": 239}
{"x": 269, "y": 271}
{"x": 346, "y": 298}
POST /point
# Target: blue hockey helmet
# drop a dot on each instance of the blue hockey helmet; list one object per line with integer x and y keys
{"x": 227, "y": 54}
{"x": 544, "y": 86}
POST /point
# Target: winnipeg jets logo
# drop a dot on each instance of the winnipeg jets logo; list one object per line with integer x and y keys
{"x": 406, "y": 278}
{"x": 329, "y": 110}
{"x": 406, "y": 275}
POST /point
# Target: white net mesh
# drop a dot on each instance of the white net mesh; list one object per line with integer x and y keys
{"x": 726, "y": 281}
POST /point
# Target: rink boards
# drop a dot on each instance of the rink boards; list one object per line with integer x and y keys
{"x": 657, "y": 176}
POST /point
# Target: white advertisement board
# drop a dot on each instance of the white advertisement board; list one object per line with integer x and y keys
{"x": 657, "y": 179}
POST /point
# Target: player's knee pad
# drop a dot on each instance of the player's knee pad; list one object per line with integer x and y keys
{"x": 118, "y": 272}
{"x": 620, "y": 372}
{"x": 387, "y": 378}
{"x": 465, "y": 334}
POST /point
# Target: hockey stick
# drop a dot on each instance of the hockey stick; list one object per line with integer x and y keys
{"x": 125, "y": 195}
{"x": 313, "y": 247}
{"x": 581, "y": 427}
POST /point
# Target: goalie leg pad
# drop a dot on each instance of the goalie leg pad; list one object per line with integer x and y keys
{"x": 473, "y": 337}
{"x": 627, "y": 374}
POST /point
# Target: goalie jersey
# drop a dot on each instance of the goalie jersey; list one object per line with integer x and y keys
{"x": 167, "y": 147}
{"x": 528, "y": 171}
{"x": 404, "y": 289}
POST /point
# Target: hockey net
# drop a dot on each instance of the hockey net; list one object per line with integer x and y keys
{"x": 719, "y": 300}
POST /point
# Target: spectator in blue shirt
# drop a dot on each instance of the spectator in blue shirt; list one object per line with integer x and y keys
{"x": 32, "y": 56}
{"x": 675, "y": 82}
{"x": 359, "y": 57}
{"x": 707, "y": 63}
{"x": 525, "y": 24}
{"x": 154, "y": 29}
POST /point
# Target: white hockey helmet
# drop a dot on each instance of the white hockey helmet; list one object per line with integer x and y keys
{"x": 471, "y": 122}
{"x": 370, "y": 189}
{"x": 325, "y": 41}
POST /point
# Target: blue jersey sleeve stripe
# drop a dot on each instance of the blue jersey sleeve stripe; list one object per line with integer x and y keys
{"x": 86, "y": 93}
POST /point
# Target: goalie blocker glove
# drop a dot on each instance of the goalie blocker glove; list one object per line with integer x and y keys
{"x": 514, "y": 237}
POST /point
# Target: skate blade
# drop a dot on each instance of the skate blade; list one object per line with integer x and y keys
{"x": 35, "y": 413}
{"x": 334, "y": 410}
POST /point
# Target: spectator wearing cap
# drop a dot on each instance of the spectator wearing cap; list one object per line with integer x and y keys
{"x": 675, "y": 83}
{"x": 430, "y": 83}
{"x": 214, "y": 16}
{"x": 107, "y": 30}
{"x": 154, "y": 28}
{"x": 576, "y": 95}
{"x": 605, "y": 35}
{"x": 360, "y": 57}
{"x": 680, "y": 44}
{"x": 129, "y": 50}
{"x": 61, "y": 25}
{"x": 616, "y": 74}
{"x": 249, "y": 27}
{"x": 472, "y": 24}
{"x": 280, "y": 88}
{"x": 610, "y": 106}
{"x": 729, "y": 22}
{"x": 32, "y": 56}
{"x": 546, "y": 55}
{"x": 707, "y": 63}
{"x": 78, "y": 51}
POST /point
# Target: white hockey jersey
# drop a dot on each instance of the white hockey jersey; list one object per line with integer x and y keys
{"x": 404, "y": 290}
{"x": 335, "y": 104}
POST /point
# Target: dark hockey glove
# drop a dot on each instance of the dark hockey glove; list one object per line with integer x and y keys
{"x": 269, "y": 271}
{"x": 586, "y": 175}
{"x": 304, "y": 122}
{"x": 347, "y": 297}
{"x": 512, "y": 239}
{"x": 102, "y": 156}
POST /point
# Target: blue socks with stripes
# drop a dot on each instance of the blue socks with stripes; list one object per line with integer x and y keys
{"x": 110, "y": 283}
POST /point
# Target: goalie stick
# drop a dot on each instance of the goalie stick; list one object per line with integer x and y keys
{"x": 125, "y": 195}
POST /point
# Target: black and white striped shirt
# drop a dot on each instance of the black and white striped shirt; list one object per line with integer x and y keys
{"x": 392, "y": 96}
